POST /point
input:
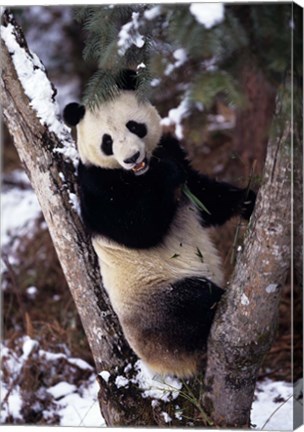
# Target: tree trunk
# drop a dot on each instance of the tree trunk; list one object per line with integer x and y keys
{"x": 253, "y": 121}
{"x": 246, "y": 320}
{"x": 53, "y": 179}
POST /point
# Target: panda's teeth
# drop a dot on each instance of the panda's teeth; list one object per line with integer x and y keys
{"x": 139, "y": 167}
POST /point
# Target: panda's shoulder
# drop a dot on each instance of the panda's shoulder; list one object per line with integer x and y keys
{"x": 90, "y": 177}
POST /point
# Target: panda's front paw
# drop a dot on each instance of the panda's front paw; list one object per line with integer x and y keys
{"x": 248, "y": 204}
{"x": 174, "y": 173}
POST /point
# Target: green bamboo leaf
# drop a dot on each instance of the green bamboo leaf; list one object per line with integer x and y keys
{"x": 194, "y": 199}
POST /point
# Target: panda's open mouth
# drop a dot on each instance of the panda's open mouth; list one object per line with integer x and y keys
{"x": 141, "y": 167}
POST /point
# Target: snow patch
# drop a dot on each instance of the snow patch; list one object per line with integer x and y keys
{"x": 39, "y": 90}
{"x": 128, "y": 368}
{"x": 245, "y": 300}
{"x": 271, "y": 288}
{"x": 61, "y": 389}
{"x": 154, "y": 403}
{"x": 165, "y": 389}
{"x": 178, "y": 413}
{"x": 105, "y": 375}
{"x": 141, "y": 66}
{"x": 28, "y": 346}
{"x": 152, "y": 13}
{"x": 75, "y": 405}
{"x": 13, "y": 406}
{"x": 180, "y": 57}
{"x": 166, "y": 417}
{"x": 81, "y": 364}
{"x": 81, "y": 410}
{"x": 69, "y": 152}
{"x": 19, "y": 209}
{"x": 208, "y": 14}
{"x": 155, "y": 82}
{"x": 35, "y": 83}
{"x": 129, "y": 35}
{"x": 73, "y": 199}
{"x": 32, "y": 292}
{"x": 121, "y": 381}
{"x": 273, "y": 406}
{"x": 176, "y": 116}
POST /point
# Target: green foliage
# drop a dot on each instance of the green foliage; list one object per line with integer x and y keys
{"x": 102, "y": 25}
{"x": 207, "y": 86}
{"x": 257, "y": 34}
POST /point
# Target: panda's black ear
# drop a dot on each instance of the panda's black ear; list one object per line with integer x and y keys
{"x": 127, "y": 79}
{"x": 73, "y": 113}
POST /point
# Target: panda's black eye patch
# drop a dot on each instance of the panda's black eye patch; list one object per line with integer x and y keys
{"x": 139, "y": 129}
{"x": 107, "y": 145}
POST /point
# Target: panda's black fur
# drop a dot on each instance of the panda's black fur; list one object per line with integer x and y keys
{"x": 166, "y": 318}
{"x": 137, "y": 211}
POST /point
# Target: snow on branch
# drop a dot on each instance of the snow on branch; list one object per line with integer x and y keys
{"x": 33, "y": 78}
{"x": 129, "y": 35}
{"x": 208, "y": 14}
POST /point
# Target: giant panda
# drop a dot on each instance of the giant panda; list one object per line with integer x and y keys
{"x": 162, "y": 273}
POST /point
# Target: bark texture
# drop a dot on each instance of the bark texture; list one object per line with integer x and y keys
{"x": 246, "y": 320}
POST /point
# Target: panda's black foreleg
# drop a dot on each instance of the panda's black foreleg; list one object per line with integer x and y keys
{"x": 221, "y": 199}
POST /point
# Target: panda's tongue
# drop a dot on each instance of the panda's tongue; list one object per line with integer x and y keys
{"x": 139, "y": 167}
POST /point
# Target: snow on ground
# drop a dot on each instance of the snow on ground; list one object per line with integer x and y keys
{"x": 19, "y": 209}
{"x": 73, "y": 405}
{"x": 273, "y": 407}
{"x": 81, "y": 409}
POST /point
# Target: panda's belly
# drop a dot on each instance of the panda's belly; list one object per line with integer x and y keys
{"x": 186, "y": 251}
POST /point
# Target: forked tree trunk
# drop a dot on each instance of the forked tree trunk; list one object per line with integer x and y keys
{"x": 246, "y": 321}
{"x": 244, "y": 325}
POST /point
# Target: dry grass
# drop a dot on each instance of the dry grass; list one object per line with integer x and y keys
{"x": 50, "y": 317}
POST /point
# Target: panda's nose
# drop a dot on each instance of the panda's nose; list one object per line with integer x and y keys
{"x": 133, "y": 158}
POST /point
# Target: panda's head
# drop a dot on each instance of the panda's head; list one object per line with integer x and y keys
{"x": 121, "y": 133}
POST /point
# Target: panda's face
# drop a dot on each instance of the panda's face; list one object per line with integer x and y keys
{"x": 121, "y": 133}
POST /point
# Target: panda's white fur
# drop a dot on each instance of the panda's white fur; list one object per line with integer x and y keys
{"x": 129, "y": 276}
{"x": 176, "y": 258}
{"x": 113, "y": 114}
